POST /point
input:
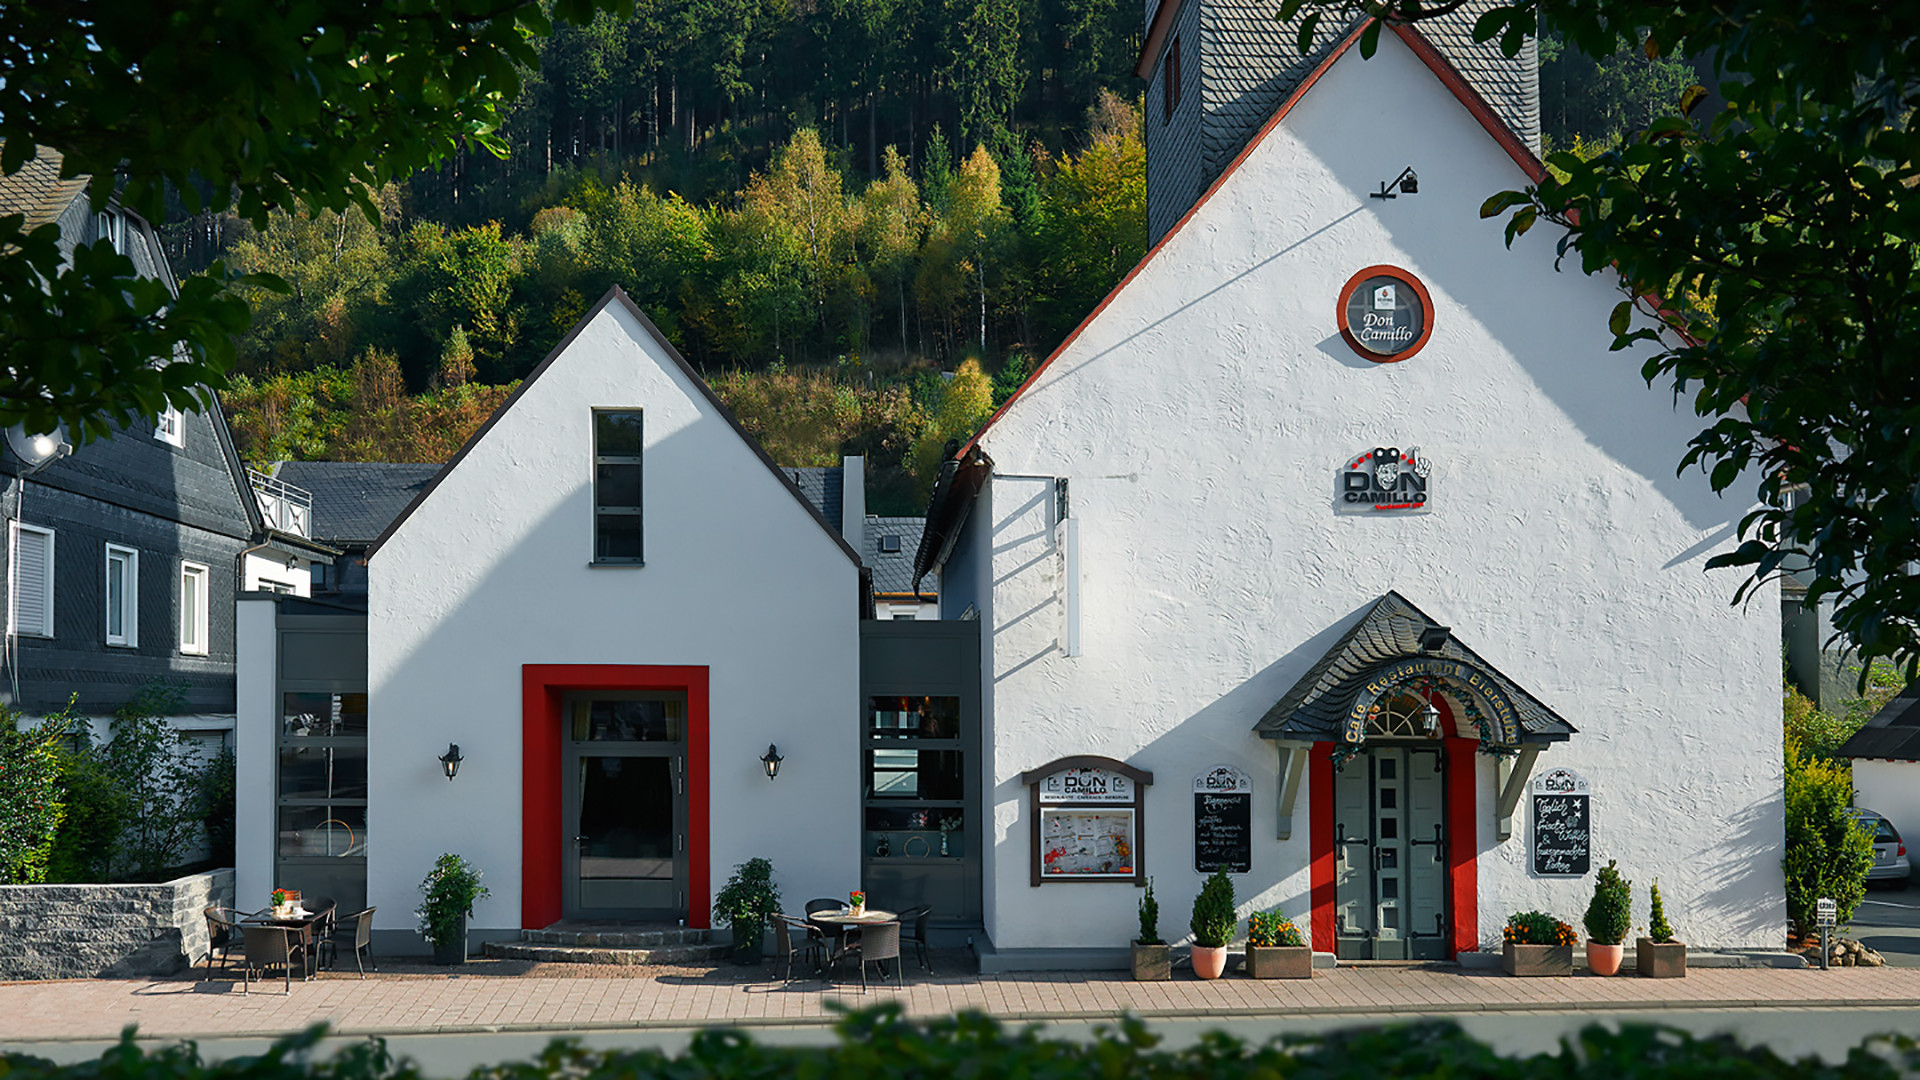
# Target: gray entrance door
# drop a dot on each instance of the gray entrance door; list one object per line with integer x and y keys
{"x": 625, "y": 822}
{"x": 1390, "y": 843}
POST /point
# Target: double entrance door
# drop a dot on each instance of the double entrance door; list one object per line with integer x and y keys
{"x": 623, "y": 790}
{"x": 1390, "y": 842}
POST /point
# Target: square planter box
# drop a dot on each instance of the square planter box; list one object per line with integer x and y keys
{"x": 1660, "y": 961}
{"x": 1279, "y": 962}
{"x": 1152, "y": 963}
{"x": 1530, "y": 960}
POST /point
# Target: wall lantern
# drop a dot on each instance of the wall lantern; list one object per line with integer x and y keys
{"x": 771, "y": 761}
{"x": 1429, "y": 720}
{"x": 450, "y": 761}
{"x": 1407, "y": 182}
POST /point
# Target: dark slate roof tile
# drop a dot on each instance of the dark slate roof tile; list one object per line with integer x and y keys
{"x": 38, "y": 191}
{"x": 893, "y": 570}
{"x": 1893, "y": 733}
{"x": 355, "y": 501}
{"x": 823, "y": 486}
{"x": 1317, "y": 705}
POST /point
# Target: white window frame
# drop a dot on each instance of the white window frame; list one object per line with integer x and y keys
{"x": 129, "y": 635}
{"x": 195, "y": 581}
{"x": 169, "y": 428}
{"x": 42, "y": 626}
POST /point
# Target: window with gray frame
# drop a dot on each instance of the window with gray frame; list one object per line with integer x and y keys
{"x": 617, "y": 446}
{"x": 321, "y": 840}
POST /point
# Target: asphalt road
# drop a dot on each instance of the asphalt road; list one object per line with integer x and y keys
{"x": 1888, "y": 921}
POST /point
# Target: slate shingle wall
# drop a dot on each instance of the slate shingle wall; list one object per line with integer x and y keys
{"x": 1174, "y": 175}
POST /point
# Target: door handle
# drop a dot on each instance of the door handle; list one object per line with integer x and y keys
{"x": 579, "y": 839}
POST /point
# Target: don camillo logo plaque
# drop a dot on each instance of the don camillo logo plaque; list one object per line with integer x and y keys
{"x": 1385, "y": 314}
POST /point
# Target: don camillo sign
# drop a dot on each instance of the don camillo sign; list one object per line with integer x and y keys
{"x": 1385, "y": 314}
{"x": 1385, "y": 478}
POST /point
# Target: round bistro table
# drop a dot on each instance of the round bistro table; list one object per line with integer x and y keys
{"x": 838, "y": 924}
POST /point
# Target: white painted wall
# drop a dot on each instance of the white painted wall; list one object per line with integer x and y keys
{"x": 257, "y": 676}
{"x": 492, "y": 572}
{"x": 270, "y": 565}
{"x": 1893, "y": 789}
{"x": 1201, "y": 419}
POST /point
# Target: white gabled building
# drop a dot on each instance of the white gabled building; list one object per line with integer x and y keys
{"x": 613, "y": 603}
{"x": 1321, "y": 461}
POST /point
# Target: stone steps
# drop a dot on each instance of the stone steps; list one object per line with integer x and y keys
{"x": 616, "y": 943}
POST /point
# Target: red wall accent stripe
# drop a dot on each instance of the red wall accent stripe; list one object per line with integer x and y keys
{"x": 1320, "y": 820}
{"x": 542, "y": 687}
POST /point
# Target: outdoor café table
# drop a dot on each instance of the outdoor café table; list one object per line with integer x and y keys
{"x": 839, "y": 922}
{"x": 304, "y": 923}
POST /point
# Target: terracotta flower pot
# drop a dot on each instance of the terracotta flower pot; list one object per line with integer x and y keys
{"x": 1209, "y": 963}
{"x": 1605, "y": 959}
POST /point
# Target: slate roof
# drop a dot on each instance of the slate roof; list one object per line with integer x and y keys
{"x": 38, "y": 191}
{"x": 1250, "y": 63}
{"x": 1893, "y": 733}
{"x": 355, "y": 501}
{"x": 1390, "y": 631}
{"x": 893, "y": 570}
{"x": 824, "y": 488}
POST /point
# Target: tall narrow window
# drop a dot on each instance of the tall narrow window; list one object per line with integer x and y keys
{"x": 617, "y": 445}
{"x": 123, "y": 596}
{"x": 193, "y": 609}
{"x": 167, "y": 428}
{"x": 1170, "y": 80}
{"x": 30, "y": 582}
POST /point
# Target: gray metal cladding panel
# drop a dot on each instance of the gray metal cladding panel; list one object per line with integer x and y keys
{"x": 935, "y": 653}
{"x": 335, "y": 657}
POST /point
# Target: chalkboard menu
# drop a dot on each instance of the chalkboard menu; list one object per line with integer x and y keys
{"x": 1562, "y": 825}
{"x": 1223, "y": 821}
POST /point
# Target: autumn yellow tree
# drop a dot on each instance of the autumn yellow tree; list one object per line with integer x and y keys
{"x": 965, "y": 405}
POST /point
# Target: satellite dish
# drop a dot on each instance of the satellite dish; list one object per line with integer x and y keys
{"x": 37, "y": 452}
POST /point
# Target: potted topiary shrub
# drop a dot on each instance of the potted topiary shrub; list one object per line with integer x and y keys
{"x": 1212, "y": 923}
{"x": 1657, "y": 955}
{"x": 748, "y": 902}
{"x": 451, "y": 888}
{"x": 1537, "y": 944}
{"x": 1152, "y": 958}
{"x": 1275, "y": 949}
{"x": 1609, "y": 917}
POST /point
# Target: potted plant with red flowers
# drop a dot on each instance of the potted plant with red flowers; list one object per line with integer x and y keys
{"x": 856, "y": 903}
{"x": 1537, "y": 944}
{"x": 1275, "y": 949}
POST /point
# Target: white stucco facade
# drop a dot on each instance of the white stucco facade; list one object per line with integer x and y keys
{"x": 1892, "y": 788}
{"x": 1200, "y": 418}
{"x": 493, "y": 572}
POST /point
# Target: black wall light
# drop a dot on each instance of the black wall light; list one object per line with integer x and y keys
{"x": 1407, "y": 182}
{"x": 771, "y": 761}
{"x": 450, "y": 761}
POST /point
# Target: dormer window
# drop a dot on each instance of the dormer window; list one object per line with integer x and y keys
{"x": 167, "y": 427}
{"x": 113, "y": 229}
{"x": 890, "y": 544}
{"x": 617, "y": 445}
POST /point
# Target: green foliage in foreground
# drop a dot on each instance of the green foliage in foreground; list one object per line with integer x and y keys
{"x": 879, "y": 1044}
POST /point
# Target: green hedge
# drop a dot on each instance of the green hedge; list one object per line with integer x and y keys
{"x": 878, "y": 1044}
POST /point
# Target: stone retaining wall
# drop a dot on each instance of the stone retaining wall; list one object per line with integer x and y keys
{"x": 107, "y": 931}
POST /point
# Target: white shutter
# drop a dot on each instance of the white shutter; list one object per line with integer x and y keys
{"x": 32, "y": 582}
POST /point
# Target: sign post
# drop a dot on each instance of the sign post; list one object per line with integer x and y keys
{"x": 1826, "y": 913}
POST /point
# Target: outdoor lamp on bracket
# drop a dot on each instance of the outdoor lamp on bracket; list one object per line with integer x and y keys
{"x": 771, "y": 761}
{"x": 450, "y": 761}
{"x": 1407, "y": 182}
{"x": 1429, "y": 720}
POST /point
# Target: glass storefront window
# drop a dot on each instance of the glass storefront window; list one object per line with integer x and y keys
{"x": 324, "y": 716}
{"x": 329, "y": 830}
{"x": 907, "y": 717}
{"x": 323, "y": 772}
{"x": 648, "y": 720}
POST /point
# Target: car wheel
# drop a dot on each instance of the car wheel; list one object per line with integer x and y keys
{"x": 1899, "y": 884}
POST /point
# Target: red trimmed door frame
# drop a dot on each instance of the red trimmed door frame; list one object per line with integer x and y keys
{"x": 1463, "y": 838}
{"x": 542, "y": 687}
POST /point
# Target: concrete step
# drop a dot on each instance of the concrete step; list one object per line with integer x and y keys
{"x": 614, "y": 936}
{"x": 606, "y": 954}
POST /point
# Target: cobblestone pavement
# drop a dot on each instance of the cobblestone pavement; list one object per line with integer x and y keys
{"x": 506, "y": 996}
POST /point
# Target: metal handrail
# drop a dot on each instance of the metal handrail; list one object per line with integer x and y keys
{"x": 286, "y": 507}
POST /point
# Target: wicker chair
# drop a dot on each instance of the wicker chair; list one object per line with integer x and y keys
{"x": 796, "y": 937}
{"x": 268, "y": 947}
{"x": 913, "y": 931}
{"x": 357, "y": 930}
{"x": 223, "y": 933}
{"x": 878, "y": 942}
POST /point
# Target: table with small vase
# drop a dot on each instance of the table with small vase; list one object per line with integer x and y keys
{"x": 304, "y": 923}
{"x": 840, "y": 924}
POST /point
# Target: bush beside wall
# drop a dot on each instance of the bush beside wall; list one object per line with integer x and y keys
{"x": 110, "y": 931}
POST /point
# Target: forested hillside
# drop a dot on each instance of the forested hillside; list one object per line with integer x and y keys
{"x": 828, "y": 207}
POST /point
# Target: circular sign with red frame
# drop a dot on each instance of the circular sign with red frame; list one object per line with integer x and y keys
{"x": 1385, "y": 314}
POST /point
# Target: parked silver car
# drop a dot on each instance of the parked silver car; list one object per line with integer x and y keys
{"x": 1889, "y": 851}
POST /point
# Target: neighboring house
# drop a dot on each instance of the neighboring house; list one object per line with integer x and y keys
{"x": 353, "y": 503}
{"x": 1339, "y": 507}
{"x": 890, "y": 544}
{"x": 123, "y": 556}
{"x": 1886, "y": 762}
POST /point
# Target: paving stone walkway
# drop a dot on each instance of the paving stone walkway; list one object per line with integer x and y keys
{"x": 499, "y": 998}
